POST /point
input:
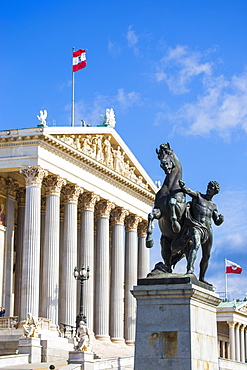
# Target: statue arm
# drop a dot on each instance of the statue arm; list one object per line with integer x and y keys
{"x": 218, "y": 219}
{"x": 186, "y": 190}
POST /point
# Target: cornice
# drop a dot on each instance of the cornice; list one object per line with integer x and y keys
{"x": 71, "y": 154}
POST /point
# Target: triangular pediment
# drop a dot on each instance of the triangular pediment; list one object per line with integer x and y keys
{"x": 104, "y": 146}
{"x": 243, "y": 308}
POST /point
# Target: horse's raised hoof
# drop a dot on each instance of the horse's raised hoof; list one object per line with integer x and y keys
{"x": 149, "y": 243}
{"x": 176, "y": 226}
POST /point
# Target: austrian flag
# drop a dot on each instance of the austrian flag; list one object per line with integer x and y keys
{"x": 233, "y": 268}
{"x": 79, "y": 60}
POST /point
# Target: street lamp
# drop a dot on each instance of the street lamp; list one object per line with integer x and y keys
{"x": 81, "y": 275}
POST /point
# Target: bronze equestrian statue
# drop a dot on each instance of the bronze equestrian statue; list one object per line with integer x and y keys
{"x": 184, "y": 226}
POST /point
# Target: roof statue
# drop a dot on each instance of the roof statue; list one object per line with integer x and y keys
{"x": 109, "y": 118}
{"x": 42, "y": 118}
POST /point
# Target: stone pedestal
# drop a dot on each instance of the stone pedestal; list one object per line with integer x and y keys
{"x": 30, "y": 346}
{"x": 82, "y": 357}
{"x": 176, "y": 324}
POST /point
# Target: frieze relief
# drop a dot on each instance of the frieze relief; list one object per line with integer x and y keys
{"x": 243, "y": 309}
{"x": 104, "y": 150}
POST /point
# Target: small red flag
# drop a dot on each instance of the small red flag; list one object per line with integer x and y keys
{"x": 232, "y": 268}
{"x": 79, "y": 60}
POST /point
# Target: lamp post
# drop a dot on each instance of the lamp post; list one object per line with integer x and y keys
{"x": 81, "y": 275}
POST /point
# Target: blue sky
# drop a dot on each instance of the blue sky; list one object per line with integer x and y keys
{"x": 173, "y": 70}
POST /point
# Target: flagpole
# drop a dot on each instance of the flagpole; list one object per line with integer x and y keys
{"x": 226, "y": 281}
{"x": 73, "y": 95}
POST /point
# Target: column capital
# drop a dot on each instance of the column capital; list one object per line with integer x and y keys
{"x": 237, "y": 325}
{"x": 131, "y": 222}
{"x": 142, "y": 229}
{"x": 43, "y": 204}
{"x": 53, "y": 184}
{"x": 231, "y": 324}
{"x": 104, "y": 208}
{"x": 61, "y": 211}
{"x": 71, "y": 192}
{"x": 33, "y": 175}
{"x": 242, "y": 326}
{"x": 11, "y": 187}
{"x": 21, "y": 196}
{"x": 118, "y": 216}
{"x": 88, "y": 200}
{"x": 3, "y": 185}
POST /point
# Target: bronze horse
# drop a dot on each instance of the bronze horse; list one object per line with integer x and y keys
{"x": 169, "y": 208}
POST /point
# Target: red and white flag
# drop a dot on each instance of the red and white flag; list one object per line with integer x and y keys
{"x": 232, "y": 268}
{"x": 79, "y": 60}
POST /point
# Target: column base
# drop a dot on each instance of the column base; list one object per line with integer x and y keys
{"x": 130, "y": 343}
{"x": 103, "y": 338}
{"x": 118, "y": 340}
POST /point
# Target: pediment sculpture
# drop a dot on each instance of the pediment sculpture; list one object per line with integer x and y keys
{"x": 102, "y": 149}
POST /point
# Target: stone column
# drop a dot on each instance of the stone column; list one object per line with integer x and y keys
{"x": 50, "y": 281}
{"x": 131, "y": 224}
{"x": 117, "y": 275}
{"x": 31, "y": 243}
{"x": 67, "y": 289}
{"x": 143, "y": 251}
{"x": 102, "y": 284}
{"x": 232, "y": 339}
{"x": 42, "y": 242}
{"x": 19, "y": 249}
{"x": 237, "y": 342}
{"x": 242, "y": 343}
{"x": 2, "y": 239}
{"x": 86, "y": 253}
{"x": 61, "y": 258}
{"x": 245, "y": 334}
{"x": 9, "y": 246}
{"x": 228, "y": 356}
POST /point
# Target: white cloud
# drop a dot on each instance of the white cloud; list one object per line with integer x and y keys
{"x": 114, "y": 48}
{"x": 232, "y": 234}
{"x": 90, "y": 112}
{"x": 179, "y": 66}
{"x": 132, "y": 39}
{"x": 220, "y": 108}
{"x": 126, "y": 100}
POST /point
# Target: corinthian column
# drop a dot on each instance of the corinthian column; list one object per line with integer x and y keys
{"x": 86, "y": 252}
{"x": 242, "y": 343}
{"x": 104, "y": 208}
{"x": 67, "y": 291}
{"x": 42, "y": 242}
{"x": 117, "y": 275}
{"x": 130, "y": 277}
{"x": 50, "y": 266}
{"x": 232, "y": 339}
{"x": 19, "y": 249}
{"x": 143, "y": 251}
{"x": 31, "y": 243}
{"x": 237, "y": 341}
{"x": 9, "y": 246}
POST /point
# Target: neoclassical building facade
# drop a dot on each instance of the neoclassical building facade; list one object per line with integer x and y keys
{"x": 69, "y": 197}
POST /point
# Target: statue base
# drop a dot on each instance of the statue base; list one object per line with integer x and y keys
{"x": 175, "y": 324}
{"x": 84, "y": 358}
{"x": 30, "y": 346}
